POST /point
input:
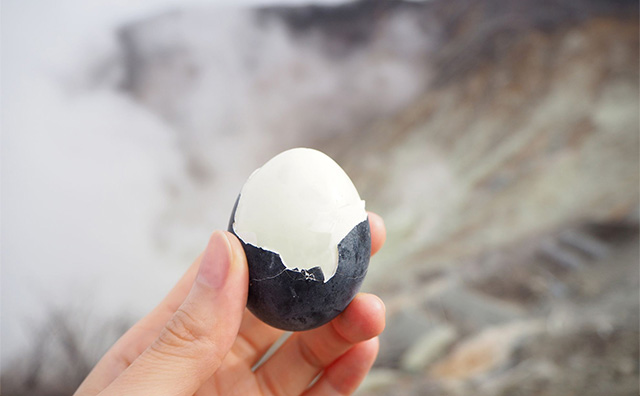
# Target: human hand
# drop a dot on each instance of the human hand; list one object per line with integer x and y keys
{"x": 202, "y": 340}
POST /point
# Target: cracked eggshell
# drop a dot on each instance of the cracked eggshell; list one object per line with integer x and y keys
{"x": 299, "y": 295}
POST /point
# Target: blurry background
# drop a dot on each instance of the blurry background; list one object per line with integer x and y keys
{"x": 499, "y": 140}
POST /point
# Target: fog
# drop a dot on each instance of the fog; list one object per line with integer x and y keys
{"x": 84, "y": 170}
{"x": 112, "y": 181}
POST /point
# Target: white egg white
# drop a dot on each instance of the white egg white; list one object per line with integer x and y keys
{"x": 300, "y": 205}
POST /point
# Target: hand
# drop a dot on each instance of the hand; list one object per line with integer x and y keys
{"x": 201, "y": 340}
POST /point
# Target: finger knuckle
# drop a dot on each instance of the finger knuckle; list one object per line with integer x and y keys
{"x": 309, "y": 356}
{"x": 271, "y": 386}
{"x": 182, "y": 330}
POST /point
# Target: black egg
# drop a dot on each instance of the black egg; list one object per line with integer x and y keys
{"x": 307, "y": 239}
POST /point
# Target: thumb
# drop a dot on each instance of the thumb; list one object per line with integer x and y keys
{"x": 194, "y": 342}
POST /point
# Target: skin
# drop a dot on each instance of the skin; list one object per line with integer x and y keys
{"x": 200, "y": 340}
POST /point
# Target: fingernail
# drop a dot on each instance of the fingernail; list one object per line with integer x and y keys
{"x": 216, "y": 260}
{"x": 381, "y": 305}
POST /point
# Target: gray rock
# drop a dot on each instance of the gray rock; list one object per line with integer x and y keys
{"x": 428, "y": 348}
{"x": 584, "y": 243}
{"x": 487, "y": 352}
{"x": 403, "y": 330}
{"x": 469, "y": 309}
{"x": 378, "y": 379}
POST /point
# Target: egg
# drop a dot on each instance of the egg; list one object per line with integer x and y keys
{"x": 306, "y": 236}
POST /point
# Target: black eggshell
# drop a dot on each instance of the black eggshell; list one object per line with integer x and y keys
{"x": 301, "y": 300}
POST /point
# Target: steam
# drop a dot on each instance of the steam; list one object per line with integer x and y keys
{"x": 120, "y": 156}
